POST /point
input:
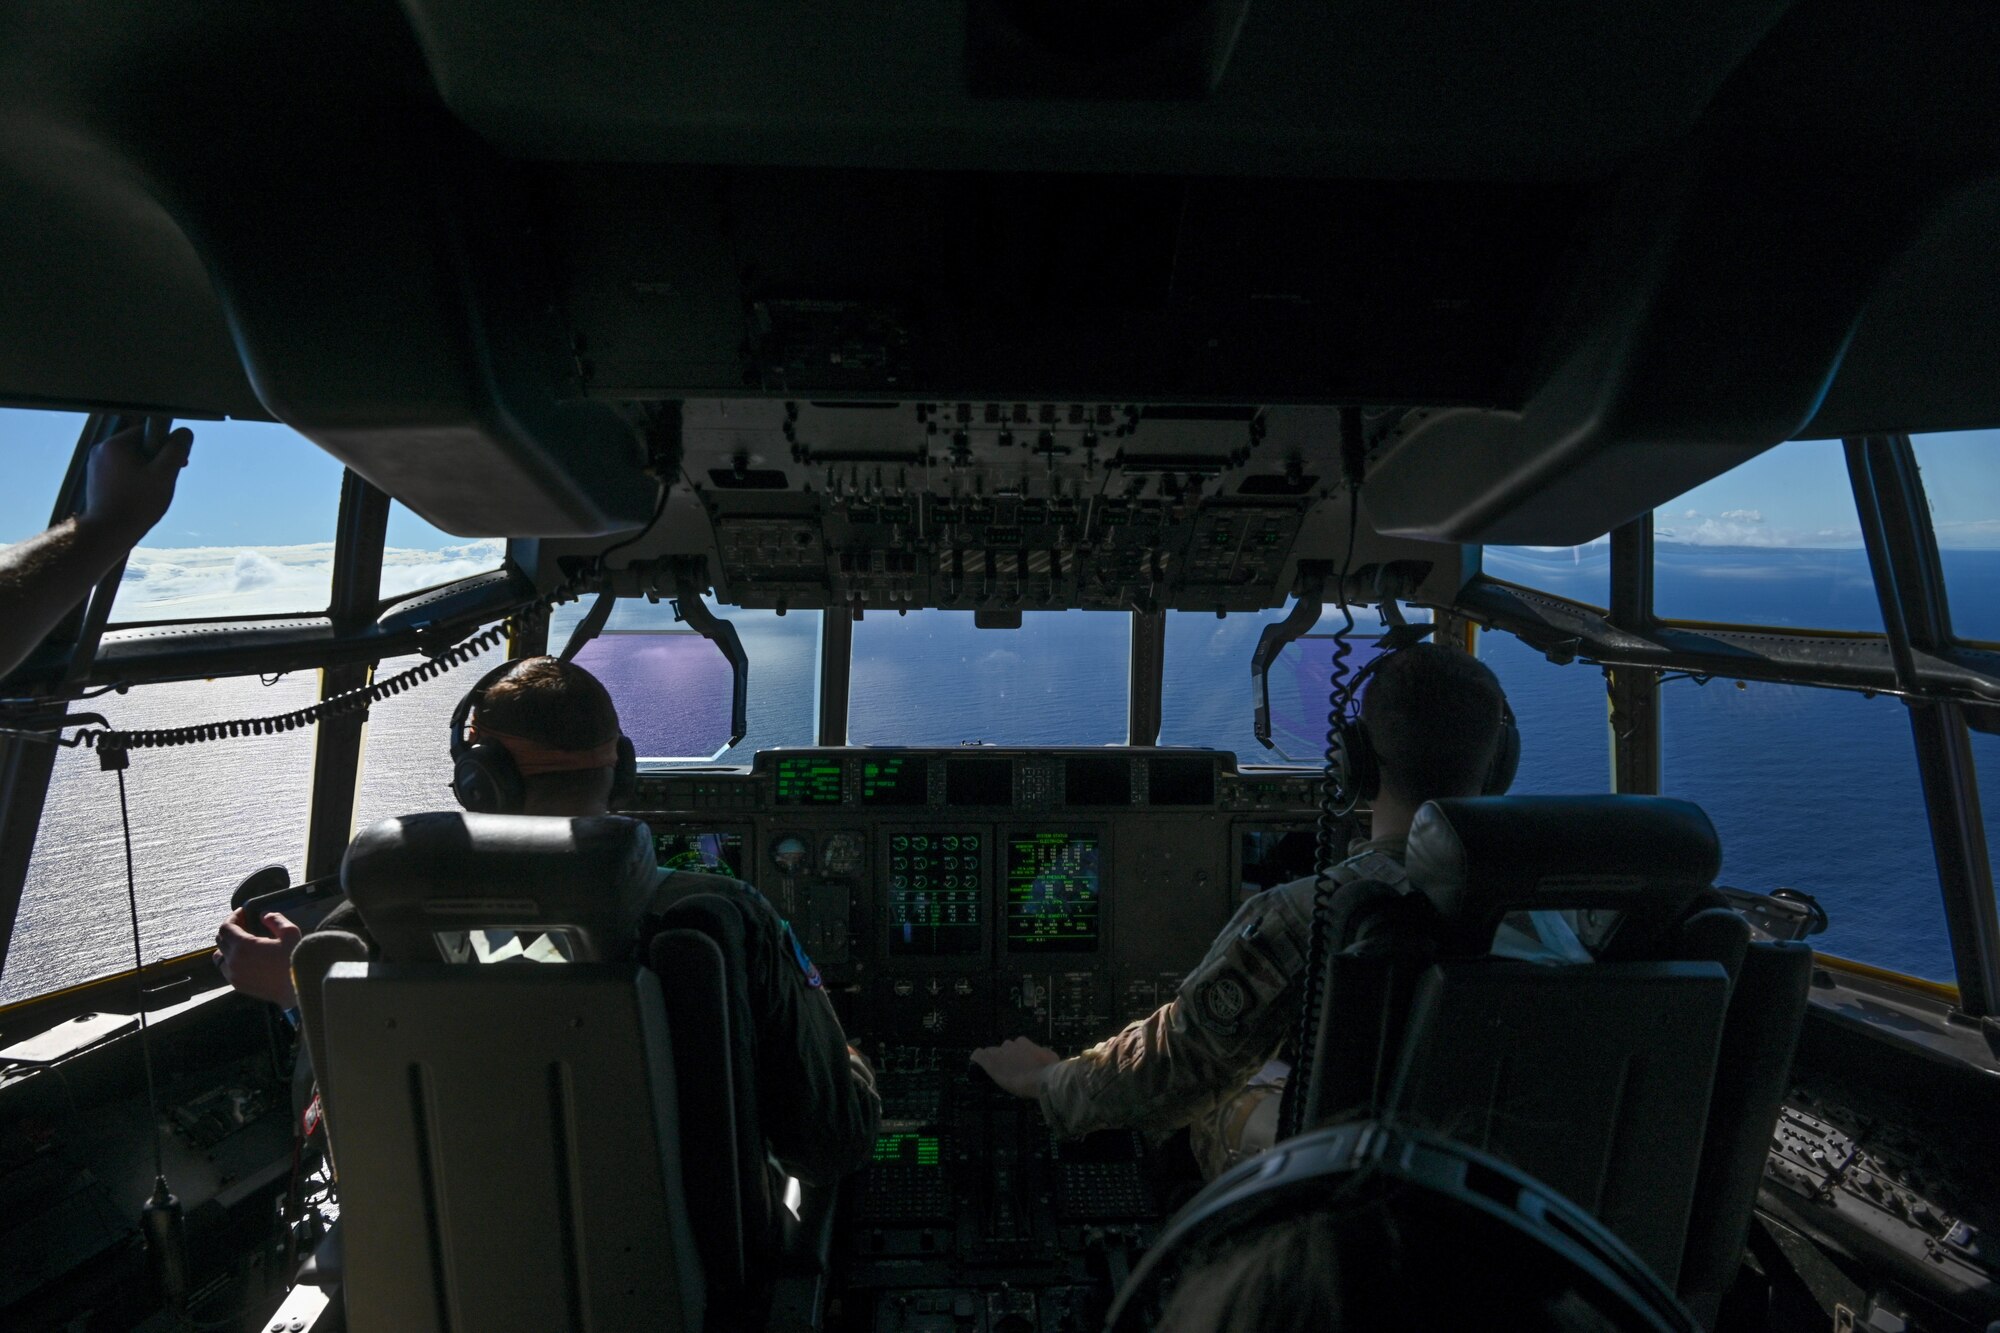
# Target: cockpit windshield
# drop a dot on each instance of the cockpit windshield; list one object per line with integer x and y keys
{"x": 935, "y": 678}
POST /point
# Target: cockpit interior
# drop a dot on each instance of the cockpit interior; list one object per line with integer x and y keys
{"x": 980, "y": 447}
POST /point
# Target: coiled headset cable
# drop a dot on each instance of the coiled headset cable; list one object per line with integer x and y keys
{"x": 1336, "y": 799}
{"x": 358, "y": 700}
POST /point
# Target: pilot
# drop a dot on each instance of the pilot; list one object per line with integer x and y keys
{"x": 124, "y": 494}
{"x": 1209, "y": 1058}
{"x": 817, "y": 1095}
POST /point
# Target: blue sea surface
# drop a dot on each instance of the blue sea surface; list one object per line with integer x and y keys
{"x": 1815, "y": 789}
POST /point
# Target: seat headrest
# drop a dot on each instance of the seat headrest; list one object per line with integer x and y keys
{"x": 1479, "y": 858}
{"x": 417, "y": 877}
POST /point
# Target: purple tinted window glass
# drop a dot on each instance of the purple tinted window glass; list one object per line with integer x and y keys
{"x": 672, "y": 690}
{"x": 1300, "y": 689}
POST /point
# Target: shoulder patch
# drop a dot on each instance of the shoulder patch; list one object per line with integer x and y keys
{"x": 1372, "y": 865}
{"x": 1222, "y": 1000}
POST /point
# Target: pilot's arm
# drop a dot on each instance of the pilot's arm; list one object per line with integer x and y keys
{"x": 821, "y": 1119}
{"x": 124, "y": 495}
{"x": 815, "y": 1095}
{"x": 1230, "y": 1016}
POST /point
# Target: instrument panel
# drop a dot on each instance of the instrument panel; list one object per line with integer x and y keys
{"x": 954, "y": 898}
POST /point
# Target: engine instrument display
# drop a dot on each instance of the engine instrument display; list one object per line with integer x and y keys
{"x": 698, "y": 850}
{"x": 807, "y": 780}
{"x": 894, "y": 780}
{"x": 1052, "y": 892}
{"x": 936, "y": 883}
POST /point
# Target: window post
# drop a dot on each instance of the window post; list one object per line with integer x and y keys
{"x": 357, "y": 591}
{"x": 1634, "y": 691}
{"x": 1144, "y": 687}
{"x": 1909, "y": 580}
{"x": 836, "y": 661}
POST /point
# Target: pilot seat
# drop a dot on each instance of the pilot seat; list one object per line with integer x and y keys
{"x": 1642, "y": 1085}
{"x": 564, "y": 1137}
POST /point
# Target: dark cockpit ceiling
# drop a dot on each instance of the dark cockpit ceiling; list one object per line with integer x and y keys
{"x": 1578, "y": 258}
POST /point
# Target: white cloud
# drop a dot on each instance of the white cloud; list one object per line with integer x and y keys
{"x": 190, "y": 582}
{"x": 1746, "y": 527}
{"x": 254, "y": 570}
{"x": 1977, "y": 534}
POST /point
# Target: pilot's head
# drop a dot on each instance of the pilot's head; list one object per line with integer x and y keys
{"x": 557, "y": 724}
{"x": 1434, "y": 718}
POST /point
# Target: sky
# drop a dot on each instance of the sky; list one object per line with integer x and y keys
{"x": 251, "y": 528}
{"x": 252, "y": 523}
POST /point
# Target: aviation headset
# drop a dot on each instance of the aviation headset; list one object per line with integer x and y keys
{"x": 1394, "y": 1175}
{"x": 1357, "y": 769}
{"x": 484, "y": 775}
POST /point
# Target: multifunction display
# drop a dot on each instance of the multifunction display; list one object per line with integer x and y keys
{"x": 805, "y": 780}
{"x": 908, "y": 1150}
{"x": 700, "y": 850}
{"x": 895, "y": 780}
{"x": 936, "y": 884}
{"x": 1052, "y": 892}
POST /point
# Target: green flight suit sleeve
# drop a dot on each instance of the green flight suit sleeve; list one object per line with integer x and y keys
{"x": 1232, "y": 1013}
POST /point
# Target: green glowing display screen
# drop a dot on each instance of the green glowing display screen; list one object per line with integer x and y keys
{"x": 937, "y": 882}
{"x": 1052, "y": 892}
{"x": 804, "y": 780}
{"x": 894, "y": 780}
{"x": 908, "y": 1150}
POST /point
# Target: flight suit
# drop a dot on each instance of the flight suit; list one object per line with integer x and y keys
{"x": 816, "y": 1098}
{"x": 1200, "y": 1060}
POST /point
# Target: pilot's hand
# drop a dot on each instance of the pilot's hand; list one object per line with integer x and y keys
{"x": 259, "y": 967}
{"x": 1017, "y": 1064}
{"x": 125, "y": 493}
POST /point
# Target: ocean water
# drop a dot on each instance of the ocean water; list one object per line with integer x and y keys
{"x": 1815, "y": 789}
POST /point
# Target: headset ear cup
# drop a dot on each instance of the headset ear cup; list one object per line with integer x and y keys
{"x": 625, "y": 777}
{"x": 1506, "y": 756}
{"x": 486, "y": 781}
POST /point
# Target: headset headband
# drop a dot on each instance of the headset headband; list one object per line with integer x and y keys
{"x": 533, "y": 757}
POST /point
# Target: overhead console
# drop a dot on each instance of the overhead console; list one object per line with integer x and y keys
{"x": 1018, "y": 506}
{"x": 957, "y": 897}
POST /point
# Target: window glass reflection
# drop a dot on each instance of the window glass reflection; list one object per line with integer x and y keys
{"x": 1580, "y": 573}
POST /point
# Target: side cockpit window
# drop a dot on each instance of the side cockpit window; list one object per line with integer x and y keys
{"x": 36, "y": 448}
{"x": 1579, "y": 573}
{"x": 250, "y": 531}
{"x": 1774, "y": 541}
{"x": 417, "y": 555}
{"x": 1811, "y": 788}
{"x": 203, "y": 817}
{"x": 1961, "y": 473}
{"x": 1818, "y": 790}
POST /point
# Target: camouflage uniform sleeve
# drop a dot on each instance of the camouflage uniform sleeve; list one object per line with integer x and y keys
{"x": 1230, "y": 1016}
